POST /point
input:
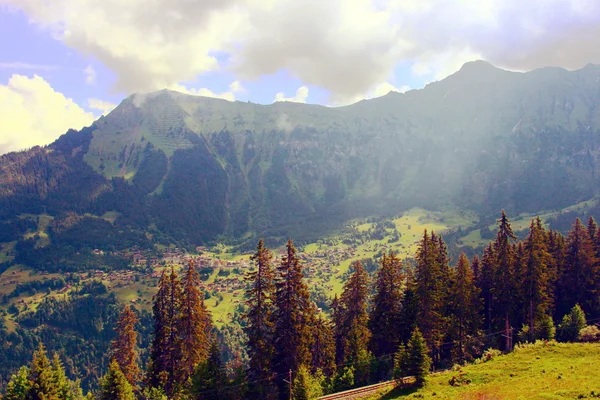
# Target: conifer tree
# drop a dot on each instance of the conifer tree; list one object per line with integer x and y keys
{"x": 385, "y": 317}
{"x": 355, "y": 317}
{"x": 432, "y": 278}
{"x": 337, "y": 317}
{"x": 503, "y": 288}
{"x": 580, "y": 278}
{"x": 354, "y": 303}
{"x": 209, "y": 379}
{"x": 592, "y": 227}
{"x": 536, "y": 278}
{"x": 163, "y": 351}
{"x": 19, "y": 385}
{"x": 192, "y": 326}
{"x": 307, "y": 386}
{"x": 323, "y": 347}
{"x": 123, "y": 348}
{"x": 42, "y": 377}
{"x": 485, "y": 282}
{"x": 465, "y": 305}
{"x": 67, "y": 389}
{"x": 418, "y": 359}
{"x": 115, "y": 385}
{"x": 292, "y": 315}
{"x": 259, "y": 329}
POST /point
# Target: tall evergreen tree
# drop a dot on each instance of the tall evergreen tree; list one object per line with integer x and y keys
{"x": 115, "y": 385}
{"x": 536, "y": 278}
{"x": 209, "y": 379}
{"x": 592, "y": 228}
{"x": 385, "y": 317}
{"x": 19, "y": 385}
{"x": 163, "y": 351}
{"x": 259, "y": 328}
{"x": 123, "y": 348}
{"x": 42, "y": 377}
{"x": 292, "y": 316}
{"x": 323, "y": 347}
{"x": 464, "y": 304}
{"x": 580, "y": 274}
{"x": 418, "y": 360}
{"x": 504, "y": 287}
{"x": 432, "y": 278}
{"x": 354, "y": 303}
{"x": 484, "y": 282}
{"x": 192, "y": 326}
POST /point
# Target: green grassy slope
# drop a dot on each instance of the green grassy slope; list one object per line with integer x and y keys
{"x": 537, "y": 371}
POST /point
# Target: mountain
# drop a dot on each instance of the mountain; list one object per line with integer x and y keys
{"x": 168, "y": 166}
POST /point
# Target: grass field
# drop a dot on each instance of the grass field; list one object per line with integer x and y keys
{"x": 538, "y": 371}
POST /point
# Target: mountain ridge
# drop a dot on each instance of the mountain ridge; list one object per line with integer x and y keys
{"x": 196, "y": 168}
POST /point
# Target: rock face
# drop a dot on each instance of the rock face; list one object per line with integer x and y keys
{"x": 195, "y": 168}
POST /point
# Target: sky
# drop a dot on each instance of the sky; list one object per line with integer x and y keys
{"x": 64, "y": 63}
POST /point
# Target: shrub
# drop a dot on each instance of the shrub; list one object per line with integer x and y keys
{"x": 590, "y": 333}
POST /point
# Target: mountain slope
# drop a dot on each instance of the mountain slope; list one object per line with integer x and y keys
{"x": 196, "y": 168}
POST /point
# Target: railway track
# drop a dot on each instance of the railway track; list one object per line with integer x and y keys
{"x": 360, "y": 392}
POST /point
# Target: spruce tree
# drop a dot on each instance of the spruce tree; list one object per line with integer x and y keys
{"x": 323, "y": 347}
{"x": 580, "y": 278}
{"x": 485, "y": 282}
{"x": 592, "y": 228}
{"x": 192, "y": 326}
{"x": 19, "y": 385}
{"x": 432, "y": 280}
{"x": 504, "y": 285}
{"x": 385, "y": 317}
{"x": 259, "y": 323}
{"x": 209, "y": 379}
{"x": 292, "y": 316}
{"x": 418, "y": 359}
{"x": 42, "y": 377}
{"x": 307, "y": 386}
{"x": 464, "y": 304}
{"x": 536, "y": 278}
{"x": 354, "y": 303}
{"x": 115, "y": 385}
{"x": 123, "y": 348}
{"x": 163, "y": 350}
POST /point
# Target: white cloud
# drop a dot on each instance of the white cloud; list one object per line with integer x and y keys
{"x": 234, "y": 87}
{"x": 90, "y": 74}
{"x": 101, "y": 105}
{"x": 32, "y": 113}
{"x": 345, "y": 47}
{"x": 384, "y": 88}
{"x": 300, "y": 97}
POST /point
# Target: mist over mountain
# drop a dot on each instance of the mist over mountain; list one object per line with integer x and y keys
{"x": 196, "y": 169}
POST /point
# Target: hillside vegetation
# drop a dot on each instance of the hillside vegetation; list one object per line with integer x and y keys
{"x": 533, "y": 371}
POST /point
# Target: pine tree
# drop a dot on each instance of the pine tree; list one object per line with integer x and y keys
{"x": 592, "y": 227}
{"x": 571, "y": 325}
{"x": 307, "y": 386}
{"x": 323, "y": 347}
{"x": 292, "y": 316}
{"x": 192, "y": 326}
{"x": 19, "y": 385}
{"x": 354, "y": 302}
{"x": 503, "y": 288}
{"x": 124, "y": 348}
{"x": 385, "y": 317}
{"x": 465, "y": 305}
{"x": 163, "y": 352}
{"x": 432, "y": 279}
{"x": 209, "y": 379}
{"x": 580, "y": 275}
{"x": 42, "y": 377}
{"x": 485, "y": 282}
{"x": 536, "y": 279}
{"x": 337, "y": 317}
{"x": 67, "y": 389}
{"x": 259, "y": 329}
{"x": 115, "y": 385}
{"x": 418, "y": 358}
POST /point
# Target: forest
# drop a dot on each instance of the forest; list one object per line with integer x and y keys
{"x": 400, "y": 320}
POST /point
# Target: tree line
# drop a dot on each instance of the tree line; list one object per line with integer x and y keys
{"x": 401, "y": 320}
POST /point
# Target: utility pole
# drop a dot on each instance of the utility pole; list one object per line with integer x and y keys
{"x": 289, "y": 382}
